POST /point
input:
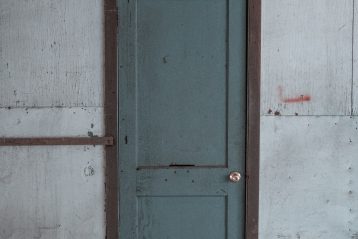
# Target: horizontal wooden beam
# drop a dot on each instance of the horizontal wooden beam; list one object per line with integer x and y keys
{"x": 107, "y": 141}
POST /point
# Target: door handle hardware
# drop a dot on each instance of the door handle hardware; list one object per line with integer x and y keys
{"x": 234, "y": 177}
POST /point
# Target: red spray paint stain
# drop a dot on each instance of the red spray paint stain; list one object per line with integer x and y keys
{"x": 297, "y": 99}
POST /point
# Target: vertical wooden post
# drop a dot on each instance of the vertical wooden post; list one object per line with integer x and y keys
{"x": 253, "y": 118}
{"x": 110, "y": 114}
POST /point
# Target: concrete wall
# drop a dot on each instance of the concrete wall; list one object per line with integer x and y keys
{"x": 51, "y": 73}
{"x": 309, "y": 141}
{"x": 51, "y": 84}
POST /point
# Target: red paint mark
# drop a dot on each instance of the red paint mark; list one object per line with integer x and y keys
{"x": 297, "y": 99}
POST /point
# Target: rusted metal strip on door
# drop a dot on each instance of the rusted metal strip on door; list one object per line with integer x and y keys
{"x": 253, "y": 118}
{"x": 48, "y": 141}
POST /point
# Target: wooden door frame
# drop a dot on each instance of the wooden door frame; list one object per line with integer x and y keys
{"x": 253, "y": 117}
{"x": 110, "y": 117}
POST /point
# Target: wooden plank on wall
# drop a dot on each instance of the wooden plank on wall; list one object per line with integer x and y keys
{"x": 51, "y": 53}
{"x": 308, "y": 177}
{"x": 110, "y": 116}
{"x": 51, "y": 122}
{"x": 51, "y": 85}
{"x": 57, "y": 191}
{"x": 306, "y": 57}
{"x": 52, "y": 192}
{"x": 355, "y": 62}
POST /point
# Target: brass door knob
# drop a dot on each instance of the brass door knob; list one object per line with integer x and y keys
{"x": 235, "y": 177}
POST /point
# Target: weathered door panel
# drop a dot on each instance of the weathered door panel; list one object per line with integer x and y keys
{"x": 182, "y": 80}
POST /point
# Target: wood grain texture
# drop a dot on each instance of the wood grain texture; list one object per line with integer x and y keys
{"x": 51, "y": 53}
{"x": 52, "y": 192}
{"x": 56, "y": 191}
{"x": 51, "y": 85}
{"x": 309, "y": 177}
{"x": 355, "y": 62}
{"x": 306, "y": 57}
{"x": 51, "y": 122}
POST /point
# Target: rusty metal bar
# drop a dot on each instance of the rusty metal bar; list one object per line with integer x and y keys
{"x": 107, "y": 141}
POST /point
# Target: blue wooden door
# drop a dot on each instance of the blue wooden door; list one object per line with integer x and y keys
{"x": 182, "y": 118}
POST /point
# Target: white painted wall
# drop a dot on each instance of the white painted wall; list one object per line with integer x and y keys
{"x": 309, "y": 165}
{"x": 51, "y": 84}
